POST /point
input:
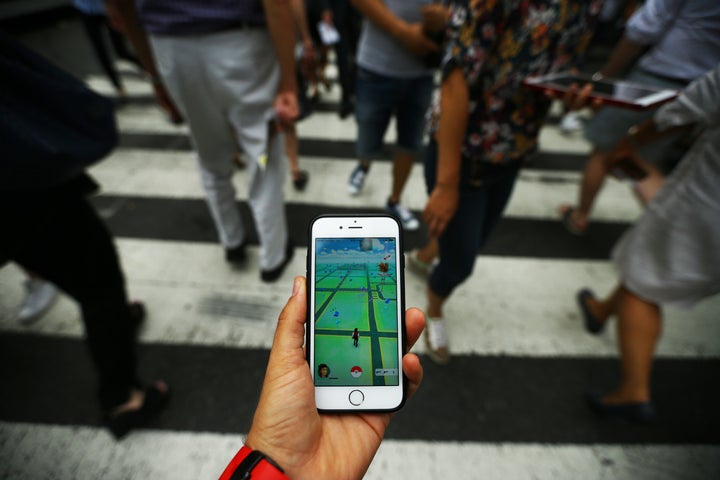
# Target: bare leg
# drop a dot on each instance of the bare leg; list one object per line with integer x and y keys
{"x": 648, "y": 187}
{"x": 602, "y": 309}
{"x": 291, "y": 149}
{"x": 638, "y": 332}
{"x": 592, "y": 180}
{"x": 435, "y": 304}
{"x": 429, "y": 252}
{"x": 402, "y": 165}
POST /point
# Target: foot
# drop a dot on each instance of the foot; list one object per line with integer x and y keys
{"x": 357, "y": 180}
{"x": 436, "y": 341}
{"x": 637, "y": 411}
{"x": 404, "y": 216}
{"x": 590, "y": 309}
{"x": 417, "y": 265}
{"x": 274, "y": 274}
{"x": 570, "y": 123}
{"x": 137, "y": 313}
{"x": 572, "y": 220}
{"x": 39, "y": 297}
{"x": 142, "y": 407}
{"x": 300, "y": 179}
{"x": 237, "y": 256}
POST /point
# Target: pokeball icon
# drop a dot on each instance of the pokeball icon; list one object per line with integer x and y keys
{"x": 356, "y": 371}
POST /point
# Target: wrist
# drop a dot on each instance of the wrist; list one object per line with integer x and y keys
{"x": 249, "y": 463}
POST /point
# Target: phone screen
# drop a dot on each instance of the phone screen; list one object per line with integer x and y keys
{"x": 356, "y": 338}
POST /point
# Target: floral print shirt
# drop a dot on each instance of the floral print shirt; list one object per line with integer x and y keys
{"x": 497, "y": 43}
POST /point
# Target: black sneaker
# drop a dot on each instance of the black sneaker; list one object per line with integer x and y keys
{"x": 274, "y": 274}
{"x": 236, "y": 255}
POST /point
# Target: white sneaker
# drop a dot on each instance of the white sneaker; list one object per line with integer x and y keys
{"x": 407, "y": 219}
{"x": 436, "y": 341}
{"x": 357, "y": 180}
{"x": 39, "y": 296}
{"x": 570, "y": 123}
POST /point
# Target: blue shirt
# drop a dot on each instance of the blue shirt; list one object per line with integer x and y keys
{"x": 190, "y": 17}
{"x": 684, "y": 36}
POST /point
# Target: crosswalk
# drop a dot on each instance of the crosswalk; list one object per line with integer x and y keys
{"x": 509, "y": 406}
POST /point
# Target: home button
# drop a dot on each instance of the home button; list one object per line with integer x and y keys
{"x": 356, "y": 397}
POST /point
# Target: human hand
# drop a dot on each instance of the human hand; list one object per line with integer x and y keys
{"x": 286, "y": 108}
{"x": 434, "y": 17}
{"x": 577, "y": 98}
{"x": 440, "y": 208}
{"x": 625, "y": 164}
{"x": 164, "y": 101}
{"x": 414, "y": 39}
{"x": 287, "y": 426}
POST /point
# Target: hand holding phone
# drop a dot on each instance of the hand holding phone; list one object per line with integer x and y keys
{"x": 287, "y": 425}
{"x": 356, "y": 328}
{"x": 619, "y": 93}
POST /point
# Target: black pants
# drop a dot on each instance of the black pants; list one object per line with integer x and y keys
{"x": 57, "y": 234}
{"x": 94, "y": 26}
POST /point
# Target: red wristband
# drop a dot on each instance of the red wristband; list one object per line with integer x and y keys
{"x": 252, "y": 464}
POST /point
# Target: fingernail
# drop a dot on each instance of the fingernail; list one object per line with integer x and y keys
{"x": 296, "y": 287}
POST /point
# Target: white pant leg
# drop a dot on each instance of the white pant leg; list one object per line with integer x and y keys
{"x": 182, "y": 62}
{"x": 229, "y": 82}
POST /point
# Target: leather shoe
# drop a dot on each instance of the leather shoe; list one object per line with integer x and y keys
{"x": 634, "y": 411}
{"x": 592, "y": 324}
{"x": 274, "y": 274}
{"x": 236, "y": 255}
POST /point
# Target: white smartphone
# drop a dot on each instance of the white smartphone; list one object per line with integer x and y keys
{"x": 356, "y": 313}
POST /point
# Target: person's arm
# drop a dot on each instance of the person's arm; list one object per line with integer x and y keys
{"x": 452, "y": 126}
{"x": 125, "y": 12}
{"x": 300, "y": 14}
{"x": 410, "y": 35}
{"x": 280, "y": 22}
{"x": 287, "y": 426}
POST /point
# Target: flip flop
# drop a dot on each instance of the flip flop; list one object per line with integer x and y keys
{"x": 592, "y": 324}
{"x": 155, "y": 402}
{"x": 570, "y": 225}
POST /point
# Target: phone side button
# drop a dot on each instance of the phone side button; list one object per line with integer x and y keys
{"x": 356, "y": 397}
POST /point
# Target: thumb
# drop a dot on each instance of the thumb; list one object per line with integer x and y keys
{"x": 290, "y": 332}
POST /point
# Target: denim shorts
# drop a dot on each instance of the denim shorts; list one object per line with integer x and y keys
{"x": 378, "y": 98}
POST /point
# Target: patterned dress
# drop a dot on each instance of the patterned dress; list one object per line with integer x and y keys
{"x": 498, "y": 43}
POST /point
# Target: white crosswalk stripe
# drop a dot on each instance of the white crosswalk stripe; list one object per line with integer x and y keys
{"x": 511, "y": 306}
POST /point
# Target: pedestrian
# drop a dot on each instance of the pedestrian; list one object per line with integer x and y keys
{"x": 230, "y": 68}
{"x": 392, "y": 82}
{"x": 659, "y": 36}
{"x": 671, "y": 255}
{"x": 485, "y": 124}
{"x": 51, "y": 229}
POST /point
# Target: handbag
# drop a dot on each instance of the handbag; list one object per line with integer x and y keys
{"x": 52, "y": 126}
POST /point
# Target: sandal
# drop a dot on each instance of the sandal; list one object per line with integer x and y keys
{"x": 155, "y": 401}
{"x": 571, "y": 225}
{"x": 592, "y": 324}
{"x": 300, "y": 179}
